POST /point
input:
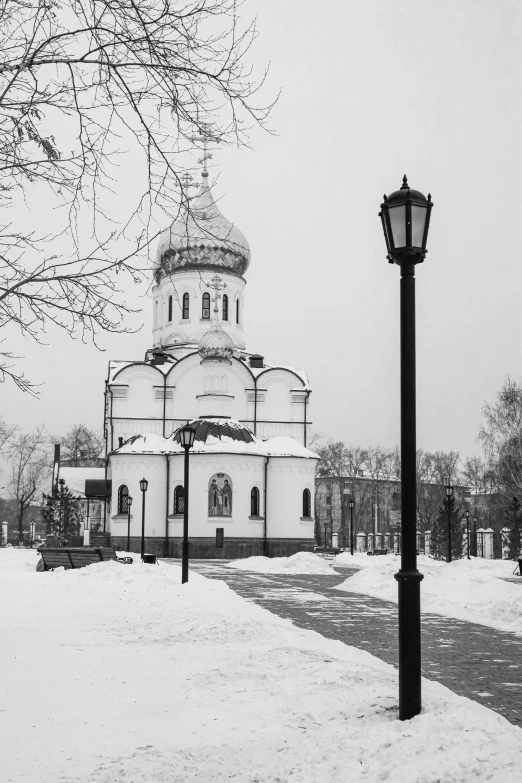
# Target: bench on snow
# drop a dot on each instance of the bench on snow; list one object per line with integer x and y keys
{"x": 378, "y": 552}
{"x": 77, "y": 557}
{"x": 326, "y": 550}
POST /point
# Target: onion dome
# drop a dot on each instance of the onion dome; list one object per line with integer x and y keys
{"x": 216, "y": 344}
{"x": 202, "y": 238}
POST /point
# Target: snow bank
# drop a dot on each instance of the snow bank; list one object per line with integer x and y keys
{"x": 117, "y": 672}
{"x": 300, "y": 563}
{"x": 469, "y": 590}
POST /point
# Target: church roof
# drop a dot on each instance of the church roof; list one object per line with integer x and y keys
{"x": 218, "y": 436}
{"x": 202, "y": 237}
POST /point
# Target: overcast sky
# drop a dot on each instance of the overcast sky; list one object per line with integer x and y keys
{"x": 370, "y": 91}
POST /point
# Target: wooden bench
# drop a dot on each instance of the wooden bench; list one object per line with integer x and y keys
{"x": 378, "y": 552}
{"x": 77, "y": 557}
{"x": 109, "y": 553}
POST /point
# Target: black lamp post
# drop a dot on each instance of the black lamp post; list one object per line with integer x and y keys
{"x": 449, "y": 495}
{"x": 187, "y": 435}
{"x": 144, "y": 485}
{"x": 129, "y": 505}
{"x": 405, "y": 216}
{"x": 467, "y": 515}
{"x": 351, "y": 503}
{"x": 475, "y": 520}
{"x": 62, "y": 507}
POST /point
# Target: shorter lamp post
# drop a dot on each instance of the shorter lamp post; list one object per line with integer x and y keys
{"x": 62, "y": 507}
{"x": 325, "y": 534}
{"x": 129, "y": 505}
{"x": 449, "y": 494}
{"x": 187, "y": 436}
{"x": 351, "y": 503}
{"x": 144, "y": 485}
{"x": 475, "y": 520}
{"x": 467, "y": 515}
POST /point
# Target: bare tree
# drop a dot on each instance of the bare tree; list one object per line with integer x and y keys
{"x": 501, "y": 436}
{"x": 82, "y": 82}
{"x": 80, "y": 445}
{"x": 29, "y": 463}
{"x": 7, "y": 432}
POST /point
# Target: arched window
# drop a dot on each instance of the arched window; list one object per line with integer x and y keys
{"x": 170, "y": 308}
{"x": 205, "y": 311}
{"x": 123, "y": 499}
{"x": 307, "y": 503}
{"x": 220, "y": 496}
{"x": 185, "y": 313}
{"x": 237, "y": 311}
{"x": 179, "y": 499}
{"x": 225, "y": 307}
{"x": 254, "y": 502}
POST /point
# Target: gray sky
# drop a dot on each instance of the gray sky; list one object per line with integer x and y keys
{"x": 370, "y": 91}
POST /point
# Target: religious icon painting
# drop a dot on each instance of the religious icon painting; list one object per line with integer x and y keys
{"x": 220, "y": 495}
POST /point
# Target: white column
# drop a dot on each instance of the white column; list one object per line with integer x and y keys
{"x": 488, "y": 543}
{"x": 335, "y": 539}
{"x": 427, "y": 542}
{"x": 361, "y": 542}
{"x": 506, "y": 538}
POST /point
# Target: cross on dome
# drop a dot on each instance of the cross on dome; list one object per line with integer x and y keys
{"x": 217, "y": 284}
{"x": 205, "y": 138}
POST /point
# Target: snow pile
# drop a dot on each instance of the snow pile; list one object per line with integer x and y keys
{"x": 117, "y": 672}
{"x": 300, "y": 563}
{"x": 465, "y": 589}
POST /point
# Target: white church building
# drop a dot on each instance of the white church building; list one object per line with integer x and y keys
{"x": 251, "y": 476}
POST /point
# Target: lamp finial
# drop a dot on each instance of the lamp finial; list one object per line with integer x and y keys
{"x": 405, "y": 185}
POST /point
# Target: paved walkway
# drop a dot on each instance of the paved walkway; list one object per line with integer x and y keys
{"x": 473, "y": 660}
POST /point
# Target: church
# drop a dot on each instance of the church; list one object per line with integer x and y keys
{"x": 251, "y": 475}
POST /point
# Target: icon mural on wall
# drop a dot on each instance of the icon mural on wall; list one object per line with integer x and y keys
{"x": 220, "y": 496}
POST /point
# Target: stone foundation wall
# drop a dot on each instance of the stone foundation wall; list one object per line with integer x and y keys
{"x": 205, "y": 548}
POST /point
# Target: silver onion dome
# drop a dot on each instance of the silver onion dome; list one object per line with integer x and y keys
{"x": 216, "y": 344}
{"x": 202, "y": 238}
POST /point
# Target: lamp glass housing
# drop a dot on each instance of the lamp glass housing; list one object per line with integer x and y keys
{"x": 405, "y": 216}
{"x": 129, "y": 501}
{"x": 187, "y": 435}
{"x": 351, "y": 503}
{"x": 144, "y": 485}
{"x": 449, "y": 490}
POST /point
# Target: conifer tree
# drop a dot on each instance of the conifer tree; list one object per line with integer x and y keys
{"x": 513, "y": 517}
{"x": 439, "y": 533}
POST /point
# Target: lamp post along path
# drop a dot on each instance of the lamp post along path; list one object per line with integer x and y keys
{"x": 186, "y": 436}
{"x": 405, "y": 216}
{"x": 467, "y": 515}
{"x": 144, "y": 484}
{"x": 351, "y": 503}
{"x": 449, "y": 495}
{"x": 129, "y": 505}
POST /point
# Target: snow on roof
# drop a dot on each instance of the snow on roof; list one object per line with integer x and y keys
{"x": 281, "y": 446}
{"x": 227, "y": 436}
{"x": 75, "y": 478}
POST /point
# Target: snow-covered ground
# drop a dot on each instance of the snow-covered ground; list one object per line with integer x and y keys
{"x": 300, "y": 563}
{"x": 471, "y": 590}
{"x": 116, "y": 672}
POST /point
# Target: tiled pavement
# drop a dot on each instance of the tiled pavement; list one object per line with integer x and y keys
{"x": 473, "y": 660}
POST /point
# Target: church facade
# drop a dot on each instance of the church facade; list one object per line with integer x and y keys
{"x": 251, "y": 475}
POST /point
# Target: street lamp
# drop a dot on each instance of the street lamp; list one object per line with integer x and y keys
{"x": 405, "y": 216}
{"x": 129, "y": 505}
{"x": 467, "y": 515}
{"x": 62, "y": 507}
{"x": 144, "y": 484}
{"x": 351, "y": 504}
{"x": 449, "y": 495}
{"x": 475, "y": 520}
{"x": 187, "y": 436}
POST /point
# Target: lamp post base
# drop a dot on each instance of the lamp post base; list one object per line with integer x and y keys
{"x": 184, "y": 562}
{"x": 409, "y": 643}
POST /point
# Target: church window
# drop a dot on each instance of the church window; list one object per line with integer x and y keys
{"x": 170, "y": 308}
{"x": 220, "y": 496}
{"x": 123, "y": 499}
{"x": 185, "y": 313}
{"x": 225, "y": 307}
{"x": 205, "y": 312}
{"x": 307, "y": 503}
{"x": 237, "y": 311}
{"x": 254, "y": 502}
{"x": 179, "y": 499}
